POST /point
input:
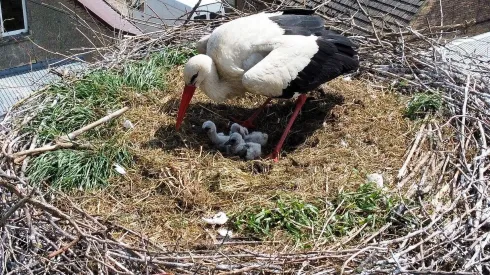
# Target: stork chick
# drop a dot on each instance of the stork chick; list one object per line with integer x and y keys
{"x": 255, "y": 136}
{"x": 218, "y": 140}
{"x": 249, "y": 150}
{"x": 237, "y": 128}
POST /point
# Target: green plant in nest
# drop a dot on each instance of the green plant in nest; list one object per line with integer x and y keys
{"x": 366, "y": 205}
{"x": 173, "y": 56}
{"x": 78, "y": 169}
{"x": 76, "y": 105}
{"x": 423, "y": 103}
{"x": 148, "y": 74}
{"x": 70, "y": 106}
{"x": 144, "y": 75}
{"x": 293, "y": 215}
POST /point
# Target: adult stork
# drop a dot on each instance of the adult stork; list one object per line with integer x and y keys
{"x": 282, "y": 55}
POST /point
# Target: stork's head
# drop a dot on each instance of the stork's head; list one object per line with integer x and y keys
{"x": 237, "y": 128}
{"x": 235, "y": 140}
{"x": 209, "y": 126}
{"x": 195, "y": 71}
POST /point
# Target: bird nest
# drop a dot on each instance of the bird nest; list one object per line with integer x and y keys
{"x": 430, "y": 216}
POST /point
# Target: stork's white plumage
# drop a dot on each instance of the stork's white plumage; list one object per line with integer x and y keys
{"x": 278, "y": 55}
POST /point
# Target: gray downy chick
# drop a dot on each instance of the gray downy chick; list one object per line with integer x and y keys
{"x": 247, "y": 150}
{"x": 237, "y": 128}
{"x": 218, "y": 140}
{"x": 257, "y": 137}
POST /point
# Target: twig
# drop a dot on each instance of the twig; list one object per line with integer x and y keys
{"x": 241, "y": 270}
{"x": 403, "y": 170}
{"x": 46, "y": 148}
{"x": 73, "y": 135}
{"x": 11, "y": 211}
{"x": 64, "y": 142}
{"x": 191, "y": 13}
{"x": 63, "y": 249}
{"x": 372, "y": 23}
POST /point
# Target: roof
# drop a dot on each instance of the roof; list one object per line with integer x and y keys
{"x": 120, "y": 6}
{"x": 385, "y": 13}
{"x": 107, "y": 14}
{"x": 18, "y": 83}
{"x": 192, "y": 3}
{"x": 459, "y": 51}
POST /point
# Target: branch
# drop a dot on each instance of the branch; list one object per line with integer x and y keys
{"x": 63, "y": 249}
{"x": 371, "y": 21}
{"x": 65, "y": 142}
{"x": 192, "y": 12}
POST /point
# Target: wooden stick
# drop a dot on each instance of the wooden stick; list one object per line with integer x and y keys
{"x": 415, "y": 170}
{"x": 65, "y": 142}
{"x": 105, "y": 119}
{"x": 46, "y": 148}
{"x": 463, "y": 119}
{"x": 191, "y": 13}
{"x": 63, "y": 249}
{"x": 372, "y": 23}
{"x": 403, "y": 170}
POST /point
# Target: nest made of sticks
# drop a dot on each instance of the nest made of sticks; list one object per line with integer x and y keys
{"x": 445, "y": 172}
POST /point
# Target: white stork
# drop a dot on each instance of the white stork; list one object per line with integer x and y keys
{"x": 280, "y": 55}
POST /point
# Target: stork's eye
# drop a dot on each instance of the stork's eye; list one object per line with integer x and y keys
{"x": 193, "y": 79}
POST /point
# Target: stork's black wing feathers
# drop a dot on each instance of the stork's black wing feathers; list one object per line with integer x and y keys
{"x": 335, "y": 57}
{"x": 332, "y": 60}
{"x": 297, "y": 11}
{"x": 297, "y": 24}
{"x": 343, "y": 43}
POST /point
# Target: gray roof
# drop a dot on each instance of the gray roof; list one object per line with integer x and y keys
{"x": 385, "y": 13}
{"x": 18, "y": 86}
{"x": 464, "y": 51}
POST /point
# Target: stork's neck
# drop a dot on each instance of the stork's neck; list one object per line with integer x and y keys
{"x": 215, "y": 138}
{"x": 214, "y": 87}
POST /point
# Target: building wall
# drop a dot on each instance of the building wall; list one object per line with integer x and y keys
{"x": 54, "y": 28}
{"x": 251, "y": 5}
{"x": 456, "y": 12}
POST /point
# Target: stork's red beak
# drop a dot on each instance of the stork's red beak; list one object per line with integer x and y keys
{"x": 184, "y": 103}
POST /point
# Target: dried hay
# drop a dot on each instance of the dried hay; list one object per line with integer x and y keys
{"x": 179, "y": 177}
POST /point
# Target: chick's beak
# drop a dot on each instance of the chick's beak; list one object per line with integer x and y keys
{"x": 184, "y": 103}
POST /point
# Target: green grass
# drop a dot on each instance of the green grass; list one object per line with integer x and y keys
{"x": 78, "y": 169}
{"x": 367, "y": 205}
{"x": 423, "y": 103}
{"x": 168, "y": 59}
{"x": 292, "y": 215}
{"x": 348, "y": 211}
{"x": 99, "y": 93}
{"x": 77, "y": 104}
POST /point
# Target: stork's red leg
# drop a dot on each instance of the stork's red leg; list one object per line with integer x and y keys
{"x": 249, "y": 122}
{"x": 299, "y": 104}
